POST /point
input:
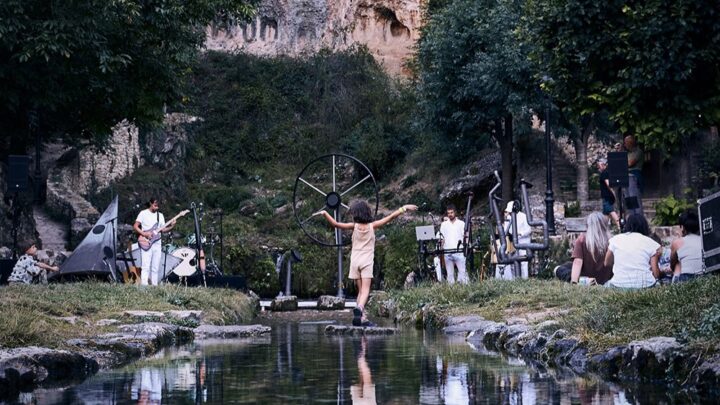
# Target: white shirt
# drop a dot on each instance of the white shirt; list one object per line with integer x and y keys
{"x": 452, "y": 233}
{"x": 523, "y": 228}
{"x": 147, "y": 219}
{"x": 632, "y": 252}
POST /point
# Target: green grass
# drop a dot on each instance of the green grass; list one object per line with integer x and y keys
{"x": 30, "y": 312}
{"x": 601, "y": 317}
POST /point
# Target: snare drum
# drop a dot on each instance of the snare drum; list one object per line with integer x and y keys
{"x": 187, "y": 266}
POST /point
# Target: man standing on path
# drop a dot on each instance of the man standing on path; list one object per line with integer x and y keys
{"x": 452, "y": 233}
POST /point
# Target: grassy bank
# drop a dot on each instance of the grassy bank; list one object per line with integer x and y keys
{"x": 601, "y": 317}
{"x": 31, "y": 314}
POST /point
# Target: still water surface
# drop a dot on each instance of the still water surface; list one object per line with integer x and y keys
{"x": 298, "y": 363}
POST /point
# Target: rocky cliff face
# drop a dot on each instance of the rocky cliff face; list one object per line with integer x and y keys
{"x": 389, "y": 28}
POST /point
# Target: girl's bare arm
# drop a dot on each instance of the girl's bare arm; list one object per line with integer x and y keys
{"x": 333, "y": 222}
{"x": 395, "y": 214}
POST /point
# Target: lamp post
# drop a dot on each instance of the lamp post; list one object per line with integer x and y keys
{"x": 549, "y": 198}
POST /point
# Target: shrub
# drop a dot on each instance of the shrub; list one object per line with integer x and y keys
{"x": 668, "y": 210}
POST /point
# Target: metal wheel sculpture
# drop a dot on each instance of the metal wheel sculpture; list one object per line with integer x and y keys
{"x": 330, "y": 182}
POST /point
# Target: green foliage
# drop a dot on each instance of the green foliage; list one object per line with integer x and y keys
{"x": 668, "y": 210}
{"x": 473, "y": 72}
{"x": 572, "y": 209}
{"x": 291, "y": 110}
{"x": 651, "y": 65}
{"x": 79, "y": 67}
{"x": 258, "y": 269}
{"x": 397, "y": 256}
{"x": 227, "y": 198}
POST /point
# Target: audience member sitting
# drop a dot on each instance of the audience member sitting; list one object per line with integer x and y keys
{"x": 633, "y": 256}
{"x": 686, "y": 252}
{"x": 27, "y": 270}
{"x": 589, "y": 254}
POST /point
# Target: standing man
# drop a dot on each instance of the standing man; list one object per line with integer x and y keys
{"x": 452, "y": 233}
{"x": 607, "y": 194}
{"x": 150, "y": 259}
{"x": 635, "y": 162}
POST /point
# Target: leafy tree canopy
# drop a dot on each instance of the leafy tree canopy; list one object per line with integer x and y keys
{"x": 653, "y": 65}
{"x": 78, "y": 67}
{"x": 473, "y": 70}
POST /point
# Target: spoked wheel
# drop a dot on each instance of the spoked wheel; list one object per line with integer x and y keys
{"x": 331, "y": 182}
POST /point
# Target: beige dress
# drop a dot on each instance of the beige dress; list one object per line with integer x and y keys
{"x": 363, "y": 251}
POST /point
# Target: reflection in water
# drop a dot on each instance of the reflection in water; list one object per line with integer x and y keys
{"x": 300, "y": 364}
{"x": 363, "y": 393}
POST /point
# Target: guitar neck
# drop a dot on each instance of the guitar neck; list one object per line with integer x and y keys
{"x": 182, "y": 213}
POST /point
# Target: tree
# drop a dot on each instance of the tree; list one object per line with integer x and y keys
{"x": 475, "y": 78}
{"x": 76, "y": 68}
{"x": 653, "y": 65}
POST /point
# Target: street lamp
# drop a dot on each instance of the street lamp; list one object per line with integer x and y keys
{"x": 549, "y": 199}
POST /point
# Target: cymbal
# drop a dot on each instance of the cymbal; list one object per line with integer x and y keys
{"x": 177, "y": 235}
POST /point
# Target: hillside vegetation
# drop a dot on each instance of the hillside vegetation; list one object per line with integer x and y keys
{"x": 262, "y": 120}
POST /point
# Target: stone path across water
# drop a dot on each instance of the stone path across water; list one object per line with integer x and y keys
{"x": 53, "y": 234}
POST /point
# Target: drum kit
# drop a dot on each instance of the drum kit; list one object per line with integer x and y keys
{"x": 188, "y": 266}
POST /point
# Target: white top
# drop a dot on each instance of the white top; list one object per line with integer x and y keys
{"x": 690, "y": 254}
{"x": 147, "y": 219}
{"x": 632, "y": 252}
{"x": 452, "y": 233}
{"x": 523, "y": 228}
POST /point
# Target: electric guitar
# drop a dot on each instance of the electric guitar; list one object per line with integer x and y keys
{"x": 146, "y": 243}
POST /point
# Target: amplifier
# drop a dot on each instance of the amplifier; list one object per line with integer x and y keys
{"x": 709, "y": 214}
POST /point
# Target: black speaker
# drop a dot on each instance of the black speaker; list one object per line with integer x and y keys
{"x": 709, "y": 213}
{"x": 6, "y": 268}
{"x": 618, "y": 169}
{"x": 17, "y": 175}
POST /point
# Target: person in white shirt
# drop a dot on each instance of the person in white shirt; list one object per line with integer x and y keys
{"x": 452, "y": 232}
{"x": 524, "y": 236}
{"x": 150, "y": 259}
{"x": 633, "y": 255}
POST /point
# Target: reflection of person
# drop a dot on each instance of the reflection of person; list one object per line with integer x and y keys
{"x": 524, "y": 236}
{"x": 686, "y": 252}
{"x": 589, "y": 254}
{"x": 362, "y": 255}
{"x": 452, "y": 233}
{"x": 150, "y": 259}
{"x": 635, "y": 181}
{"x": 607, "y": 194}
{"x": 363, "y": 393}
{"x": 147, "y": 386}
{"x": 27, "y": 270}
{"x": 633, "y": 256}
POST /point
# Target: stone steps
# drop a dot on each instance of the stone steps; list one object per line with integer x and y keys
{"x": 53, "y": 234}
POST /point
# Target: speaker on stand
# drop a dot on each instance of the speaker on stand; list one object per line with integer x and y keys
{"x": 17, "y": 181}
{"x": 619, "y": 178}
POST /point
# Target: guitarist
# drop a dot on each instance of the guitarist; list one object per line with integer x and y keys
{"x": 145, "y": 221}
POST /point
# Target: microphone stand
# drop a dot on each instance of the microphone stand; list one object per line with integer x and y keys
{"x": 198, "y": 241}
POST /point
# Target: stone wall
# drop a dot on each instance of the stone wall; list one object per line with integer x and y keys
{"x": 80, "y": 172}
{"x": 389, "y": 28}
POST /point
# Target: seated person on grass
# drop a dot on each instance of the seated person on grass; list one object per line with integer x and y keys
{"x": 634, "y": 256}
{"x": 28, "y": 270}
{"x": 686, "y": 252}
{"x": 589, "y": 254}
